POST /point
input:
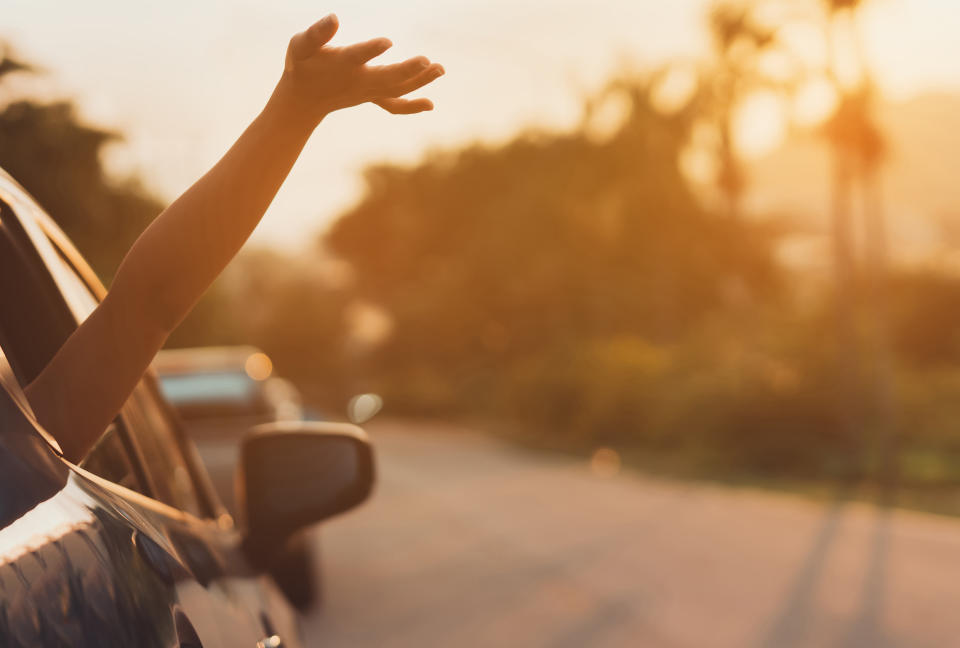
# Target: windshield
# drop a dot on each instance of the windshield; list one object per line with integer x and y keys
{"x": 219, "y": 387}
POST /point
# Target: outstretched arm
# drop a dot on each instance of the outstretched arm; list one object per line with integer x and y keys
{"x": 180, "y": 254}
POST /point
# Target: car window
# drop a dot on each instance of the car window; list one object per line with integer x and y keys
{"x": 33, "y": 321}
{"x": 73, "y": 290}
{"x": 161, "y": 452}
{"x": 29, "y": 333}
{"x": 211, "y": 386}
{"x": 141, "y": 449}
{"x": 145, "y": 421}
{"x": 213, "y": 395}
{"x": 110, "y": 458}
{"x": 33, "y": 325}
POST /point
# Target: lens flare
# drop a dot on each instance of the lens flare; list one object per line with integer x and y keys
{"x": 605, "y": 462}
{"x": 258, "y": 366}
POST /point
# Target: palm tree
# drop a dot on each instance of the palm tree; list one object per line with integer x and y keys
{"x": 859, "y": 150}
{"x": 739, "y": 41}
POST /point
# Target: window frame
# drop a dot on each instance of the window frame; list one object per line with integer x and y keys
{"x": 34, "y": 233}
{"x": 64, "y": 321}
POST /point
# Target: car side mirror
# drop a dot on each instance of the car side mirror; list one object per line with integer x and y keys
{"x": 294, "y": 474}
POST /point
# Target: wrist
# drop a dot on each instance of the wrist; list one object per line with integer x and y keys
{"x": 290, "y": 111}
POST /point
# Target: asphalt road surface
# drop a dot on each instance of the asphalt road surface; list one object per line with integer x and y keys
{"x": 470, "y": 542}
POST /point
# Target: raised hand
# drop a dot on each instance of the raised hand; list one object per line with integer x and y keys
{"x": 319, "y": 78}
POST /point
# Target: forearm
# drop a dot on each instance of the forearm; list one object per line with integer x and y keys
{"x": 188, "y": 245}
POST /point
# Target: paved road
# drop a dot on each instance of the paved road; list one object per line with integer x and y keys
{"x": 469, "y": 542}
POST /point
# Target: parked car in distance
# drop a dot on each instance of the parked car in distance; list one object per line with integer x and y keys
{"x": 221, "y": 391}
{"x": 131, "y": 546}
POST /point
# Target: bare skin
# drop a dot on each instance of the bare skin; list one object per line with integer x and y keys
{"x": 184, "y": 249}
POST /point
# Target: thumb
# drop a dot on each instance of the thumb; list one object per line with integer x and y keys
{"x": 313, "y": 38}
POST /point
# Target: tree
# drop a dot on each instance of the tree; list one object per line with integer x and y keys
{"x": 732, "y": 74}
{"x": 57, "y": 158}
{"x": 859, "y": 149}
{"x": 10, "y": 64}
{"x": 487, "y": 259}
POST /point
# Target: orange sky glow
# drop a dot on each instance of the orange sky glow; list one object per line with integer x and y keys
{"x": 181, "y": 79}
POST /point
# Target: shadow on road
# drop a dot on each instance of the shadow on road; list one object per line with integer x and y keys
{"x": 798, "y": 612}
{"x": 867, "y": 628}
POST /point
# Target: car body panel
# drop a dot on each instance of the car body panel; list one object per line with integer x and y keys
{"x": 84, "y": 562}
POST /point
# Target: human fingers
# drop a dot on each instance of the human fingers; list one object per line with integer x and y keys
{"x": 432, "y": 73}
{"x": 314, "y": 37}
{"x": 387, "y": 76}
{"x": 404, "y": 106}
{"x": 362, "y": 52}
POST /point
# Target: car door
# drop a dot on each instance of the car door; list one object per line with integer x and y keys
{"x": 85, "y": 562}
{"x": 147, "y": 488}
{"x": 70, "y": 573}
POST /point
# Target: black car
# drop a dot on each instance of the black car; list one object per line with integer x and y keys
{"x": 132, "y": 547}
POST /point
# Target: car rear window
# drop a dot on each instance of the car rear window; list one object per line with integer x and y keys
{"x": 186, "y": 389}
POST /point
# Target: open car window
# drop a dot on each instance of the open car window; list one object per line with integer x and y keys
{"x": 165, "y": 463}
{"x": 48, "y": 294}
{"x": 34, "y": 322}
{"x": 33, "y": 325}
{"x": 109, "y": 458}
{"x": 146, "y": 423}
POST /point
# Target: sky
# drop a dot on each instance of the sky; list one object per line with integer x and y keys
{"x": 181, "y": 79}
